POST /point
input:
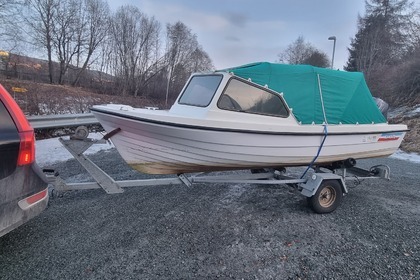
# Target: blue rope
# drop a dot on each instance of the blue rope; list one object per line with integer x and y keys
{"x": 319, "y": 151}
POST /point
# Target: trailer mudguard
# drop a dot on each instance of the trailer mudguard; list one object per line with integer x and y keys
{"x": 310, "y": 187}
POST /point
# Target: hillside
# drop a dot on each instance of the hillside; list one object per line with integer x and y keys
{"x": 44, "y": 99}
{"x": 411, "y": 117}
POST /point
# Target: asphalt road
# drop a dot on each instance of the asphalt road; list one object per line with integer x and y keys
{"x": 219, "y": 231}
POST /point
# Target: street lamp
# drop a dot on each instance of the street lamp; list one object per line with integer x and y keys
{"x": 332, "y": 60}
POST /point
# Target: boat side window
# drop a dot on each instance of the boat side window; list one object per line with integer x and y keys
{"x": 244, "y": 97}
{"x": 200, "y": 90}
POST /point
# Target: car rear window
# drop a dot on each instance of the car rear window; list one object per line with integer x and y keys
{"x": 9, "y": 143}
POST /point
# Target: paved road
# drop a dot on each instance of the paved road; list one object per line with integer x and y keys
{"x": 219, "y": 231}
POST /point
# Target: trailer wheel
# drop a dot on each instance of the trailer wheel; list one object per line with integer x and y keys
{"x": 327, "y": 198}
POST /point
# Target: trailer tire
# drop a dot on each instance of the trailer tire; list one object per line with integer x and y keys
{"x": 327, "y": 198}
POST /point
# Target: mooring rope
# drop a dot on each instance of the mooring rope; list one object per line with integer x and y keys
{"x": 325, "y": 129}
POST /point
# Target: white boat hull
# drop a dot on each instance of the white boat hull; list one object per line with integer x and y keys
{"x": 165, "y": 147}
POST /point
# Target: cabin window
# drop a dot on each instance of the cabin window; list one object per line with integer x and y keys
{"x": 200, "y": 90}
{"x": 245, "y": 97}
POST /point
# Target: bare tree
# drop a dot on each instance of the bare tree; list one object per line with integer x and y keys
{"x": 199, "y": 61}
{"x": 125, "y": 47}
{"x": 301, "y": 52}
{"x": 180, "y": 43}
{"x": 65, "y": 30}
{"x": 183, "y": 56}
{"x": 317, "y": 58}
{"x": 296, "y": 52}
{"x": 93, "y": 31}
{"x": 408, "y": 79}
{"x": 135, "y": 39}
{"x": 40, "y": 19}
{"x": 69, "y": 29}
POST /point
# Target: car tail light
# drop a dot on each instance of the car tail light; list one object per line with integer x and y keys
{"x": 33, "y": 199}
{"x": 27, "y": 148}
{"x": 26, "y": 132}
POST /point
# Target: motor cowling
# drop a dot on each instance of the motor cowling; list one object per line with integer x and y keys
{"x": 382, "y": 106}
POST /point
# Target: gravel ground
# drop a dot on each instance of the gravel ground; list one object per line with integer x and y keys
{"x": 219, "y": 231}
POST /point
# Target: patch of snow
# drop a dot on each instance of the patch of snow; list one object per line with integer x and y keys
{"x": 415, "y": 111}
{"x": 51, "y": 150}
{"x": 413, "y": 157}
{"x": 405, "y": 111}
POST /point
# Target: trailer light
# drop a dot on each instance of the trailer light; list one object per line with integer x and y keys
{"x": 313, "y": 177}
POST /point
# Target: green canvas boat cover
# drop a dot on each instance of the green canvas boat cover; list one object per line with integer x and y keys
{"x": 346, "y": 97}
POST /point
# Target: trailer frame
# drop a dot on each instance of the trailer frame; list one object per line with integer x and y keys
{"x": 324, "y": 187}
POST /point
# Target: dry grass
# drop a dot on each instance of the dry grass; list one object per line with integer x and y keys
{"x": 43, "y": 99}
{"x": 411, "y": 141}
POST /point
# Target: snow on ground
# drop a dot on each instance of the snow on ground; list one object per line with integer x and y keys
{"x": 413, "y": 157}
{"x": 50, "y": 151}
{"x": 405, "y": 111}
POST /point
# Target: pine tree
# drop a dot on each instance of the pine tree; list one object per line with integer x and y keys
{"x": 382, "y": 35}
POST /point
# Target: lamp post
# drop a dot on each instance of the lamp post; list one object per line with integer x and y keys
{"x": 332, "y": 60}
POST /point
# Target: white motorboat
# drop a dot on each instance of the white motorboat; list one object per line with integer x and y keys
{"x": 254, "y": 116}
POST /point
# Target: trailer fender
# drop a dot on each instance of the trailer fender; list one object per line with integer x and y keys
{"x": 310, "y": 187}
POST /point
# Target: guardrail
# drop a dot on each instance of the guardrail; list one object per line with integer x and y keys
{"x": 57, "y": 121}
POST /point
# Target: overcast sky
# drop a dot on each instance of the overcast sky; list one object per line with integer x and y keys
{"x": 236, "y": 32}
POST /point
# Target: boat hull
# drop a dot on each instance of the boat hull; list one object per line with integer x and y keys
{"x": 157, "y": 147}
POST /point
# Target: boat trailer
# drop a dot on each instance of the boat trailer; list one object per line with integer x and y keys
{"x": 324, "y": 186}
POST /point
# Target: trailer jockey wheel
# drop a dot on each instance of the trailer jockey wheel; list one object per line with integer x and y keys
{"x": 81, "y": 133}
{"x": 327, "y": 198}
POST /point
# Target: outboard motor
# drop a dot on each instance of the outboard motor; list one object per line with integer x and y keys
{"x": 383, "y": 106}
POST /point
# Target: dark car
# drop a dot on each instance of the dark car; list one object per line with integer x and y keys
{"x": 23, "y": 186}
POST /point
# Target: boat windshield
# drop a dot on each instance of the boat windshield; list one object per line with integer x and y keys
{"x": 248, "y": 98}
{"x": 200, "y": 90}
